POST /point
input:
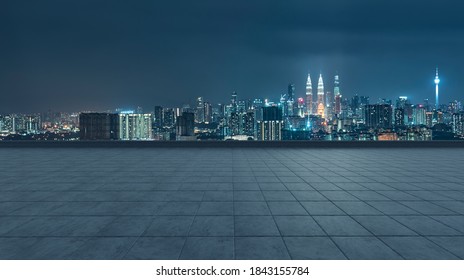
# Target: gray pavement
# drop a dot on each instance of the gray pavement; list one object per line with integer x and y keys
{"x": 231, "y": 203}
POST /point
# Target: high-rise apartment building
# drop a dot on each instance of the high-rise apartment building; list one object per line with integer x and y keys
{"x": 270, "y": 128}
{"x": 458, "y": 123}
{"x": 135, "y": 126}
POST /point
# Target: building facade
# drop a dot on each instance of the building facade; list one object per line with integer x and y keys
{"x": 98, "y": 126}
{"x": 135, "y": 126}
{"x": 378, "y": 116}
{"x": 270, "y": 128}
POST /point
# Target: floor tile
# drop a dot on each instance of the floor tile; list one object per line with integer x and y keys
{"x": 286, "y": 208}
{"x": 259, "y": 248}
{"x": 417, "y": 248}
{"x": 212, "y": 226}
{"x": 156, "y": 248}
{"x": 425, "y": 225}
{"x": 340, "y": 226}
{"x": 216, "y": 208}
{"x": 356, "y": 208}
{"x": 313, "y": 248}
{"x": 208, "y": 248}
{"x": 298, "y": 226}
{"x": 365, "y": 248}
{"x": 251, "y": 208}
{"x": 383, "y": 225}
{"x": 255, "y": 226}
{"x": 170, "y": 226}
{"x": 104, "y": 248}
{"x": 319, "y": 208}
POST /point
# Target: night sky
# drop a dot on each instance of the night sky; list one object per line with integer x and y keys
{"x": 78, "y": 55}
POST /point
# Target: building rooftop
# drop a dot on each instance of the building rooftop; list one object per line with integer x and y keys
{"x": 231, "y": 203}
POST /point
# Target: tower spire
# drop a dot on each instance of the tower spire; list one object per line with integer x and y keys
{"x": 309, "y": 96}
{"x": 437, "y": 82}
{"x": 320, "y": 97}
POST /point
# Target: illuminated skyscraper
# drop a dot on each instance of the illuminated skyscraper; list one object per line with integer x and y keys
{"x": 135, "y": 126}
{"x": 208, "y": 112}
{"x": 270, "y": 128}
{"x": 291, "y": 100}
{"x": 399, "y": 117}
{"x": 338, "y": 96}
{"x": 283, "y": 101}
{"x": 437, "y": 82}
{"x": 234, "y": 101}
{"x": 419, "y": 115}
{"x": 458, "y": 123}
{"x": 320, "y": 97}
{"x": 32, "y": 124}
{"x": 7, "y": 124}
{"x": 300, "y": 103}
{"x": 200, "y": 111}
{"x": 158, "y": 117}
{"x": 329, "y": 104}
{"x": 378, "y": 116}
{"x": 309, "y": 96}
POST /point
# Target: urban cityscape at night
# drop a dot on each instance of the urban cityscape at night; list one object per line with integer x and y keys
{"x": 325, "y": 113}
{"x": 238, "y": 139}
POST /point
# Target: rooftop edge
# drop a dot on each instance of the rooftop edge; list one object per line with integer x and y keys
{"x": 231, "y": 144}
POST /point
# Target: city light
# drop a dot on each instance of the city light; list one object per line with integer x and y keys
{"x": 332, "y": 116}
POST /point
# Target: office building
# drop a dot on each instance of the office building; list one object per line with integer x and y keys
{"x": 378, "y": 116}
{"x": 200, "y": 111}
{"x": 309, "y": 96}
{"x": 320, "y": 98}
{"x": 338, "y": 96}
{"x": 399, "y": 117}
{"x": 291, "y": 106}
{"x": 419, "y": 115}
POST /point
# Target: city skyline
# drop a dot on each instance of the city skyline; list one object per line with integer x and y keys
{"x": 310, "y": 96}
{"x": 329, "y": 116}
{"x": 94, "y": 55}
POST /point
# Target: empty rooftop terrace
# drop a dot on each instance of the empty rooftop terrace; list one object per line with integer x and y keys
{"x": 231, "y": 203}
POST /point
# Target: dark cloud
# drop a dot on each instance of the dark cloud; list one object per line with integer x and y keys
{"x": 82, "y": 54}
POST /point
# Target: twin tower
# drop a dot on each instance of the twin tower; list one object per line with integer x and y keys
{"x": 324, "y": 105}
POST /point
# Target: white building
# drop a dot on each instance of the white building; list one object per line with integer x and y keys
{"x": 135, "y": 126}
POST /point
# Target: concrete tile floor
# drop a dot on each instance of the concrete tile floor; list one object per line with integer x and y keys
{"x": 236, "y": 203}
